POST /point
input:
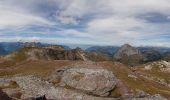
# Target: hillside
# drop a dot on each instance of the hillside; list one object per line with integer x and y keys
{"x": 138, "y": 82}
{"x": 53, "y": 71}
{"x": 44, "y": 53}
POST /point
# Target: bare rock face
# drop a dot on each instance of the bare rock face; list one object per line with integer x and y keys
{"x": 97, "y": 81}
{"x": 128, "y": 50}
{"x": 45, "y": 53}
{"x": 128, "y": 55}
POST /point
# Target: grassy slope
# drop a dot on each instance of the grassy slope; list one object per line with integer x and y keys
{"x": 35, "y": 67}
{"x": 44, "y": 68}
{"x": 151, "y": 87}
{"x": 21, "y": 54}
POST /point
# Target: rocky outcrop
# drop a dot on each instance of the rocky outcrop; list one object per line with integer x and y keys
{"x": 73, "y": 54}
{"x": 45, "y": 53}
{"x": 162, "y": 66}
{"x": 34, "y": 87}
{"x": 96, "y": 81}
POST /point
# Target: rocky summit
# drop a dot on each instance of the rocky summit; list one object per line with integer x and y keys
{"x": 137, "y": 55}
{"x": 128, "y": 55}
{"x": 45, "y": 53}
{"x": 127, "y": 50}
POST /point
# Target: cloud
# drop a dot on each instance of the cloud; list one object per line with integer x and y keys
{"x": 111, "y": 22}
{"x": 114, "y": 24}
{"x": 15, "y": 18}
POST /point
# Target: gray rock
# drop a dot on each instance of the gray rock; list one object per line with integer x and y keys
{"x": 97, "y": 81}
{"x": 128, "y": 55}
{"x": 36, "y": 87}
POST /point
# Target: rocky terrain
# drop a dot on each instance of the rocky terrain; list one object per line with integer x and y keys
{"x": 56, "y": 73}
{"x": 45, "y": 53}
{"x": 79, "y": 81}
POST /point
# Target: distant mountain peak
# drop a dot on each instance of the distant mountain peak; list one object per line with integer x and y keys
{"x": 126, "y": 45}
{"x": 127, "y": 50}
{"x": 128, "y": 54}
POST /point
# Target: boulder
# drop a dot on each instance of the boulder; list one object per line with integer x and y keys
{"x": 34, "y": 87}
{"x": 93, "y": 80}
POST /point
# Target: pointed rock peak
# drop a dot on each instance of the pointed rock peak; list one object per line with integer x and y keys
{"x": 126, "y": 45}
{"x": 78, "y": 48}
{"x": 128, "y": 50}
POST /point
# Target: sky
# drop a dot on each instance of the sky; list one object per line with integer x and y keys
{"x": 94, "y": 22}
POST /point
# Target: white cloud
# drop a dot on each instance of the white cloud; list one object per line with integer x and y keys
{"x": 114, "y": 24}
{"x": 74, "y": 33}
{"x": 15, "y": 18}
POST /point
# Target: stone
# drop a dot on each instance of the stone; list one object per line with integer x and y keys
{"x": 97, "y": 81}
{"x": 33, "y": 86}
{"x": 132, "y": 76}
